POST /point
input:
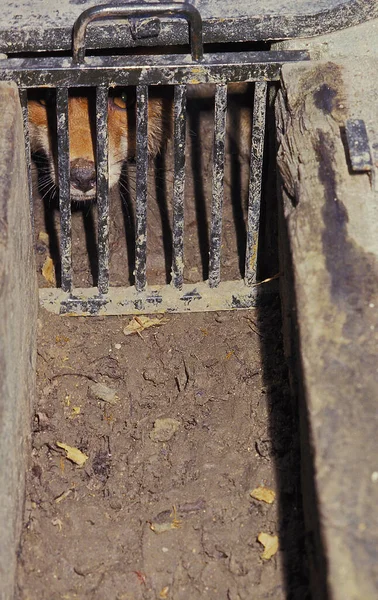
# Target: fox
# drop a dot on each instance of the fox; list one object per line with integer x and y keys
{"x": 82, "y": 150}
{"x": 121, "y": 132}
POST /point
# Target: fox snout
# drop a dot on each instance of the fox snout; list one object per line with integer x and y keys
{"x": 82, "y": 138}
{"x": 83, "y": 175}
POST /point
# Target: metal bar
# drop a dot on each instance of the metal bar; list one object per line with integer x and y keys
{"x": 162, "y": 70}
{"x": 141, "y": 188}
{"x": 102, "y": 187}
{"x": 218, "y": 177}
{"x": 25, "y": 116}
{"x": 255, "y": 179}
{"x": 106, "y": 11}
{"x": 64, "y": 188}
{"x": 179, "y": 185}
{"x": 196, "y": 297}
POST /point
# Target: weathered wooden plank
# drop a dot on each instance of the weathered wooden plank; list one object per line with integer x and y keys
{"x": 329, "y": 221}
{"x": 18, "y": 316}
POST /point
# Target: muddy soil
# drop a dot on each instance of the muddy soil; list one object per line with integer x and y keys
{"x": 195, "y": 414}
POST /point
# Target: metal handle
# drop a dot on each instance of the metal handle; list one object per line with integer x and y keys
{"x": 105, "y": 11}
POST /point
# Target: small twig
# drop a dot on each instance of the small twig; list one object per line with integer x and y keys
{"x": 252, "y": 329}
{"x": 42, "y": 356}
{"x": 75, "y": 375}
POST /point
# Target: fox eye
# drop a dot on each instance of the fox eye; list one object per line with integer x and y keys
{"x": 47, "y": 98}
{"x": 121, "y": 101}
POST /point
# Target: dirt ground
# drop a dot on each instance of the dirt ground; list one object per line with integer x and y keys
{"x": 195, "y": 414}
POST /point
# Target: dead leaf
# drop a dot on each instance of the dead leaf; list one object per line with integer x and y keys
{"x": 63, "y": 496}
{"x": 73, "y": 454}
{"x": 57, "y": 522}
{"x": 61, "y": 339}
{"x": 270, "y": 543}
{"x": 264, "y": 494}
{"x": 140, "y": 323}
{"x": 175, "y": 523}
{"x": 43, "y": 237}
{"x": 48, "y": 271}
{"x": 162, "y": 527}
{"x": 104, "y": 393}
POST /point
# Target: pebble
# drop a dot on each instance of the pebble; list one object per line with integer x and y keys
{"x": 164, "y": 430}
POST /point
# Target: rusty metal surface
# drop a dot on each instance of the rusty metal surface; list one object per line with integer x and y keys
{"x": 64, "y": 188}
{"x": 102, "y": 187}
{"x": 255, "y": 180}
{"x": 36, "y": 25}
{"x": 179, "y": 186}
{"x": 141, "y": 188}
{"x": 155, "y": 70}
{"x": 218, "y": 178}
{"x": 198, "y": 297}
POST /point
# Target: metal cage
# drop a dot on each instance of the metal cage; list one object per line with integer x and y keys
{"x": 104, "y": 72}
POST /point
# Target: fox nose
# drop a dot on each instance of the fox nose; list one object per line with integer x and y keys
{"x": 83, "y": 174}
